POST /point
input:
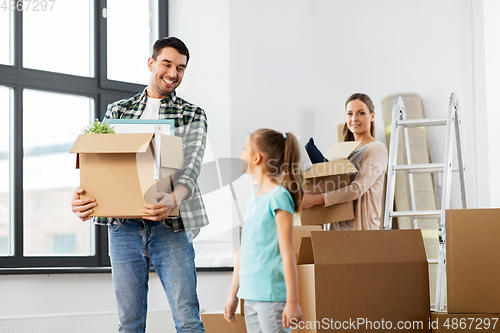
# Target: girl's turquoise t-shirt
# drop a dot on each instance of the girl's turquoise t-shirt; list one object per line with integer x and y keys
{"x": 261, "y": 267}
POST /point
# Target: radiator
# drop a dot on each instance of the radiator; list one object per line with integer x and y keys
{"x": 158, "y": 322}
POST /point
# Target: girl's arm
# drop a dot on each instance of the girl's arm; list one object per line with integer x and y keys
{"x": 284, "y": 224}
{"x": 232, "y": 300}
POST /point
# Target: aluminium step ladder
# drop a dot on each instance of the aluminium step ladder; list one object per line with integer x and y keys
{"x": 452, "y": 123}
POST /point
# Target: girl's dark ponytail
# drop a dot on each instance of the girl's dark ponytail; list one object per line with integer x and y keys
{"x": 292, "y": 173}
{"x": 282, "y": 154}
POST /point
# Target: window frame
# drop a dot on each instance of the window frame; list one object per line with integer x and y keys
{"x": 98, "y": 87}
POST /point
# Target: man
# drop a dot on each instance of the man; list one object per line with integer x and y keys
{"x": 164, "y": 241}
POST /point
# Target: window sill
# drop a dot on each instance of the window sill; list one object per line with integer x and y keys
{"x": 85, "y": 270}
{"x": 54, "y": 270}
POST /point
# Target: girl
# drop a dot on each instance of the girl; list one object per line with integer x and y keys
{"x": 370, "y": 158}
{"x": 265, "y": 273}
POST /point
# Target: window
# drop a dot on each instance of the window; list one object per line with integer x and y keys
{"x": 5, "y": 170}
{"x": 49, "y": 173}
{"x": 126, "y": 61}
{"x": 57, "y": 42}
{"x": 65, "y": 244}
{"x": 55, "y": 76}
{"x": 6, "y": 37}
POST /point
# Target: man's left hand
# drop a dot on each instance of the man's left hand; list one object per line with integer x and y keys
{"x": 168, "y": 202}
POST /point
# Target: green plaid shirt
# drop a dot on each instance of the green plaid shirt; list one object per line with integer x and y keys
{"x": 191, "y": 125}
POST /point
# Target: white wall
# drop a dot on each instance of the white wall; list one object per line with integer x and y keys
{"x": 204, "y": 27}
{"x": 272, "y": 68}
{"x": 35, "y": 295}
{"x": 290, "y": 65}
{"x": 295, "y": 63}
{"x": 491, "y": 118}
{"x": 48, "y": 294}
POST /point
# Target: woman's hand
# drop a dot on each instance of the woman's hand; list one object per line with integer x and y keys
{"x": 291, "y": 312}
{"x": 230, "y": 309}
{"x": 310, "y": 200}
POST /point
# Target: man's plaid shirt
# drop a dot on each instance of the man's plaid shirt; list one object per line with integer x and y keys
{"x": 191, "y": 125}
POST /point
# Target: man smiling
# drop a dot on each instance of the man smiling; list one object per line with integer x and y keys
{"x": 157, "y": 238}
{"x": 167, "y": 68}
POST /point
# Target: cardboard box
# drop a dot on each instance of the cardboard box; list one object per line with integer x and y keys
{"x": 300, "y": 232}
{"x": 363, "y": 280}
{"x": 215, "y": 323}
{"x": 327, "y": 177}
{"x": 118, "y": 171}
{"x": 473, "y": 260}
{"x": 442, "y": 322}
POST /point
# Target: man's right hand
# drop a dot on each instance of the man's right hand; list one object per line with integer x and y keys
{"x": 82, "y": 207}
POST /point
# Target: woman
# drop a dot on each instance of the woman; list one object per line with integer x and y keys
{"x": 370, "y": 158}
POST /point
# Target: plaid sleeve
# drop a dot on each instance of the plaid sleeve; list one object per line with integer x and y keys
{"x": 125, "y": 108}
{"x": 109, "y": 112}
{"x": 113, "y": 111}
{"x": 193, "y": 141}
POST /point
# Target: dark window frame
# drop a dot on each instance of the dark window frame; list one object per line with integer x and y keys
{"x": 103, "y": 91}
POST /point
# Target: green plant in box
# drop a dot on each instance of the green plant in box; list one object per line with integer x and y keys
{"x": 99, "y": 128}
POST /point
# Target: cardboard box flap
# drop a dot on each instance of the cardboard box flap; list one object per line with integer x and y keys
{"x": 171, "y": 152}
{"x": 367, "y": 246}
{"x": 329, "y": 169}
{"x": 340, "y": 150}
{"x": 306, "y": 251}
{"x": 112, "y": 143}
{"x": 301, "y": 231}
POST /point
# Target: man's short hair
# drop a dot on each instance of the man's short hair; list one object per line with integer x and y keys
{"x": 172, "y": 42}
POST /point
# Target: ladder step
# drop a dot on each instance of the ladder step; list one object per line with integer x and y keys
{"x": 422, "y": 168}
{"x": 432, "y": 261}
{"x": 430, "y": 214}
{"x": 428, "y": 167}
{"x": 421, "y": 122}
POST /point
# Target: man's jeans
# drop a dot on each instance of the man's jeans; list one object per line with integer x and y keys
{"x": 133, "y": 245}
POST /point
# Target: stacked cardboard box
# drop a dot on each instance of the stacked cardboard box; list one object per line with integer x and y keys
{"x": 367, "y": 281}
{"x": 215, "y": 323}
{"x": 363, "y": 280}
{"x": 327, "y": 177}
{"x": 118, "y": 170}
{"x": 473, "y": 272}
